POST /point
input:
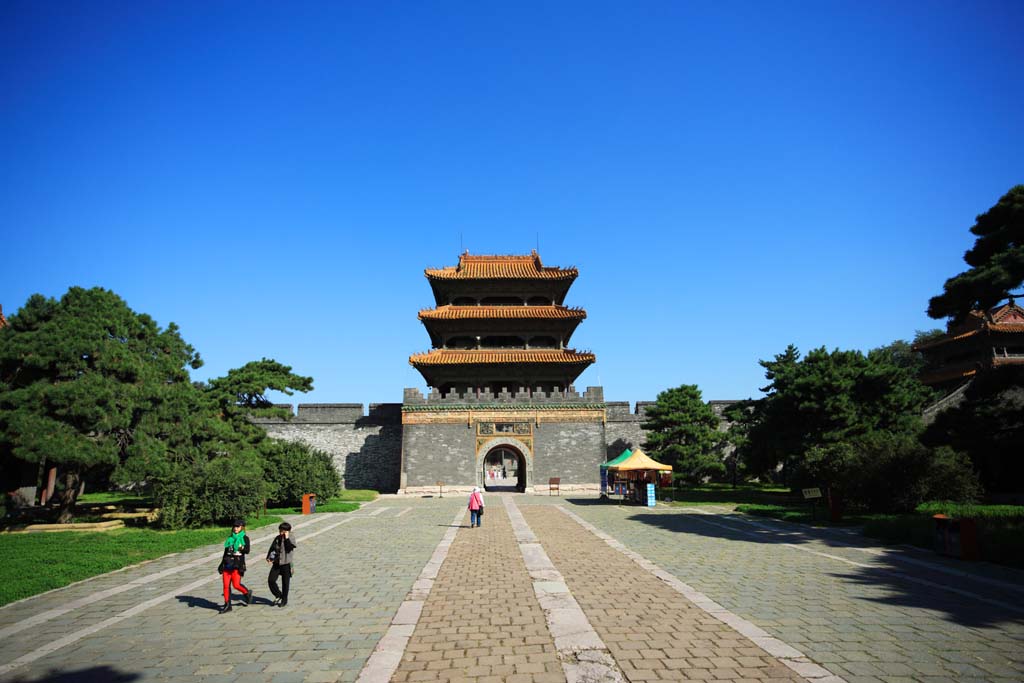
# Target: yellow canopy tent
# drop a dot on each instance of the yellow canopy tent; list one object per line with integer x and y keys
{"x": 639, "y": 460}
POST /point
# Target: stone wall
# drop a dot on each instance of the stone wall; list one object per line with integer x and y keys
{"x": 438, "y": 452}
{"x": 374, "y": 450}
{"x": 365, "y": 448}
{"x": 622, "y": 429}
{"x": 571, "y": 451}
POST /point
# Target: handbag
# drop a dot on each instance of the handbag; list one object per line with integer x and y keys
{"x": 480, "y": 512}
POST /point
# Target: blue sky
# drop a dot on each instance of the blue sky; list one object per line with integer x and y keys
{"x": 728, "y": 177}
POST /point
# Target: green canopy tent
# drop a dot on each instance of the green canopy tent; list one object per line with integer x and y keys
{"x": 604, "y": 469}
{"x": 615, "y": 461}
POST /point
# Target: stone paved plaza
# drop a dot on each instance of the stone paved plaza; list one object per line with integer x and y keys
{"x": 550, "y": 589}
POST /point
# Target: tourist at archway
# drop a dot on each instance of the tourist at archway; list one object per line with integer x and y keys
{"x": 476, "y": 507}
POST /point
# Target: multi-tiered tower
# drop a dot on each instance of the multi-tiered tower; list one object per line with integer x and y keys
{"x": 503, "y": 410}
{"x": 499, "y": 325}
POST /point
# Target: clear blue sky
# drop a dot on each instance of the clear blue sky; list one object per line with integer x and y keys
{"x": 728, "y": 177}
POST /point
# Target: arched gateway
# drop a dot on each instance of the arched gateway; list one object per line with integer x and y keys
{"x": 505, "y": 467}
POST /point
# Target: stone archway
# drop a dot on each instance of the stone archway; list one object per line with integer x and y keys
{"x": 508, "y": 453}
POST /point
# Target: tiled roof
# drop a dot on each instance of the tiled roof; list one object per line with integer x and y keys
{"x": 500, "y": 267}
{"x": 947, "y": 374}
{"x": 502, "y": 313}
{"x": 986, "y": 327}
{"x": 500, "y": 356}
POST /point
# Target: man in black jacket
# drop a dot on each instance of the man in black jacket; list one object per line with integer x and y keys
{"x": 280, "y": 559}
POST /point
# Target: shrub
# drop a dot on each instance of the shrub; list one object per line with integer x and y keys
{"x": 885, "y": 472}
{"x": 211, "y": 492}
{"x": 294, "y": 469}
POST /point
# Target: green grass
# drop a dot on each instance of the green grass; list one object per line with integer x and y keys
{"x": 346, "y": 500}
{"x": 39, "y": 562}
{"x": 333, "y": 506}
{"x": 355, "y": 496}
{"x": 124, "y": 499}
{"x": 725, "y": 494}
{"x": 36, "y": 563}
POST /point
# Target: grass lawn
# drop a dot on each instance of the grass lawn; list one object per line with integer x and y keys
{"x": 70, "y": 556}
{"x": 347, "y": 500}
{"x": 124, "y": 499}
{"x": 725, "y": 494}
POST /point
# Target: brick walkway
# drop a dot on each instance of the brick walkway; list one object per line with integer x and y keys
{"x": 482, "y": 621}
{"x": 549, "y": 590}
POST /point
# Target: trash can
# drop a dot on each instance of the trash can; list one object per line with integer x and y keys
{"x": 308, "y": 503}
{"x": 956, "y": 537}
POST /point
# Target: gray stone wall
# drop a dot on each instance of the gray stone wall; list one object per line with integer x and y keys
{"x": 622, "y": 429}
{"x": 365, "y": 448}
{"x": 439, "y": 452}
{"x": 368, "y": 448}
{"x": 570, "y": 451}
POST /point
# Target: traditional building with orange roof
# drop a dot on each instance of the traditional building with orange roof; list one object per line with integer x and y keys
{"x": 983, "y": 341}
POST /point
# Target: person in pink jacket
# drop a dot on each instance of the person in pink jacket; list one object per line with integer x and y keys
{"x": 476, "y": 507}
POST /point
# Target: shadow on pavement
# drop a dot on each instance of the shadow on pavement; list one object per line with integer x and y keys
{"x": 93, "y": 674}
{"x": 931, "y": 584}
{"x": 195, "y": 601}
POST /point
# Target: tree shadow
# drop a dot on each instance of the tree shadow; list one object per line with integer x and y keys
{"x": 956, "y": 589}
{"x": 92, "y": 674}
{"x": 587, "y": 502}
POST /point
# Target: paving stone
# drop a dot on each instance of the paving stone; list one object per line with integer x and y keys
{"x": 859, "y": 612}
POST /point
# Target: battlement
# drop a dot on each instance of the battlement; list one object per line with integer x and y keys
{"x": 338, "y": 413}
{"x": 522, "y": 396}
{"x": 618, "y": 411}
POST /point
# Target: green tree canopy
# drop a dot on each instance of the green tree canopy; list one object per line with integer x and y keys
{"x": 80, "y": 379}
{"x": 825, "y": 398}
{"x": 209, "y": 462}
{"x": 996, "y": 260}
{"x": 86, "y": 384}
{"x": 682, "y": 431}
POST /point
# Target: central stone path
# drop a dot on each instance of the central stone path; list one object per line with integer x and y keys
{"x": 481, "y": 620}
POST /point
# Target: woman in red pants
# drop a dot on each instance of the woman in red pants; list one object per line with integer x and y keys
{"x": 232, "y": 566}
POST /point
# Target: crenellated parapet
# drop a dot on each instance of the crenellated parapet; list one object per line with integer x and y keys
{"x": 337, "y": 413}
{"x": 592, "y": 397}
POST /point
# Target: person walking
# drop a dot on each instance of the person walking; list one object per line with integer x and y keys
{"x": 476, "y": 507}
{"x": 232, "y": 565}
{"x": 280, "y": 559}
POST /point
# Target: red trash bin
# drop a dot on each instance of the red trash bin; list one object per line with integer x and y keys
{"x": 308, "y": 503}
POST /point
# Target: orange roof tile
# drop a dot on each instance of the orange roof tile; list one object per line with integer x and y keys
{"x": 989, "y": 327}
{"x": 501, "y": 267}
{"x": 502, "y": 312}
{"x": 500, "y": 356}
{"x": 947, "y": 374}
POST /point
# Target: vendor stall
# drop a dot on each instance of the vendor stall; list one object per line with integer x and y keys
{"x": 634, "y": 477}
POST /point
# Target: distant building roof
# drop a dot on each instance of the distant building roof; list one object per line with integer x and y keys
{"x": 502, "y": 313}
{"x": 500, "y": 356}
{"x": 3, "y": 320}
{"x": 501, "y": 267}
